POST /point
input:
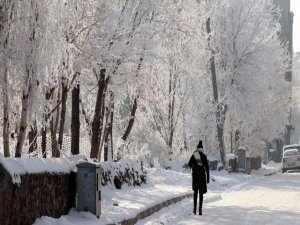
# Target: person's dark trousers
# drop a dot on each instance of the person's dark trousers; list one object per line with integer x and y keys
{"x": 200, "y": 201}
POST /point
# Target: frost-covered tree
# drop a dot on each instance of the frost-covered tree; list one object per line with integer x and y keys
{"x": 26, "y": 22}
{"x": 248, "y": 61}
{"x": 6, "y": 11}
{"x": 170, "y": 67}
{"x": 154, "y": 76}
{"x": 109, "y": 34}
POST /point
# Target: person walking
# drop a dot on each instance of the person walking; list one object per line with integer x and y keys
{"x": 200, "y": 175}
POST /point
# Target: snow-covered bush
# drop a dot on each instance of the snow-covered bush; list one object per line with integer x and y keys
{"x": 126, "y": 171}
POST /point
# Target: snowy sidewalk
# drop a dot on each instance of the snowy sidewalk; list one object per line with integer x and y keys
{"x": 126, "y": 203}
{"x": 162, "y": 185}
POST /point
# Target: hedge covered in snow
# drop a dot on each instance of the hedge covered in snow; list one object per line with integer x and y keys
{"x": 126, "y": 171}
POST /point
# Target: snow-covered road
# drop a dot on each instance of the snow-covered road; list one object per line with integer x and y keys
{"x": 268, "y": 200}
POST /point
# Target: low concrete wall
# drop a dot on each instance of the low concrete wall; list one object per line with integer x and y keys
{"x": 37, "y": 195}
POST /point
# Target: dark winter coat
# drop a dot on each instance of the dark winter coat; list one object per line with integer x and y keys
{"x": 200, "y": 171}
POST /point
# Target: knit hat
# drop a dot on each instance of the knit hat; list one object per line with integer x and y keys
{"x": 200, "y": 145}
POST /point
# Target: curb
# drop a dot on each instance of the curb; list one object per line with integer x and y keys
{"x": 270, "y": 174}
{"x": 154, "y": 209}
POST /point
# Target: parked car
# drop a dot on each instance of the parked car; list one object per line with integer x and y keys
{"x": 290, "y": 160}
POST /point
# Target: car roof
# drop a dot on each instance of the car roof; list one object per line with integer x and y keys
{"x": 291, "y": 146}
{"x": 291, "y": 150}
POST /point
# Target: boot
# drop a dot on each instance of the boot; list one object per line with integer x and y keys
{"x": 200, "y": 212}
{"x": 194, "y": 211}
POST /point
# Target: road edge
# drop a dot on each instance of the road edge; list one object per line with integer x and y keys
{"x": 154, "y": 209}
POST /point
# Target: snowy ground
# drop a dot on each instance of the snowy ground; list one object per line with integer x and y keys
{"x": 273, "y": 200}
{"x": 229, "y": 197}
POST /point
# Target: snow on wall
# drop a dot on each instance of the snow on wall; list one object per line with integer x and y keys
{"x": 20, "y": 166}
{"x": 39, "y": 194}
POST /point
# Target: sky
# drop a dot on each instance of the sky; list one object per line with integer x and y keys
{"x": 295, "y": 8}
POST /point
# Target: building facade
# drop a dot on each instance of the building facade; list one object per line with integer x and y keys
{"x": 286, "y": 35}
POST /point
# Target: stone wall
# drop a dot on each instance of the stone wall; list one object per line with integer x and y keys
{"x": 53, "y": 194}
{"x": 38, "y": 195}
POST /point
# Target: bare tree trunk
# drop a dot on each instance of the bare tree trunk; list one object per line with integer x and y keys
{"x": 32, "y": 137}
{"x": 131, "y": 120}
{"x": 5, "y": 27}
{"x": 103, "y": 123}
{"x": 134, "y": 106}
{"x": 46, "y": 116}
{"x": 5, "y": 115}
{"x": 97, "y": 124}
{"x": 30, "y": 77}
{"x": 220, "y": 112}
{"x": 44, "y": 142}
{"x": 23, "y": 125}
{"x": 220, "y": 130}
{"x": 135, "y": 101}
{"x": 172, "y": 84}
{"x": 231, "y": 141}
{"x": 106, "y": 134}
{"x": 237, "y": 138}
{"x": 44, "y": 136}
{"x": 108, "y": 141}
{"x": 184, "y": 133}
{"x": 64, "y": 96}
{"x": 87, "y": 121}
{"x": 110, "y": 137}
{"x": 75, "y": 123}
{"x": 54, "y": 126}
{"x": 54, "y": 144}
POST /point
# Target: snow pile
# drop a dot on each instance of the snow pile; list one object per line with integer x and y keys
{"x": 267, "y": 169}
{"x": 231, "y": 157}
{"x": 20, "y": 166}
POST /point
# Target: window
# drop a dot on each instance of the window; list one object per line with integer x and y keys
{"x": 291, "y": 152}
